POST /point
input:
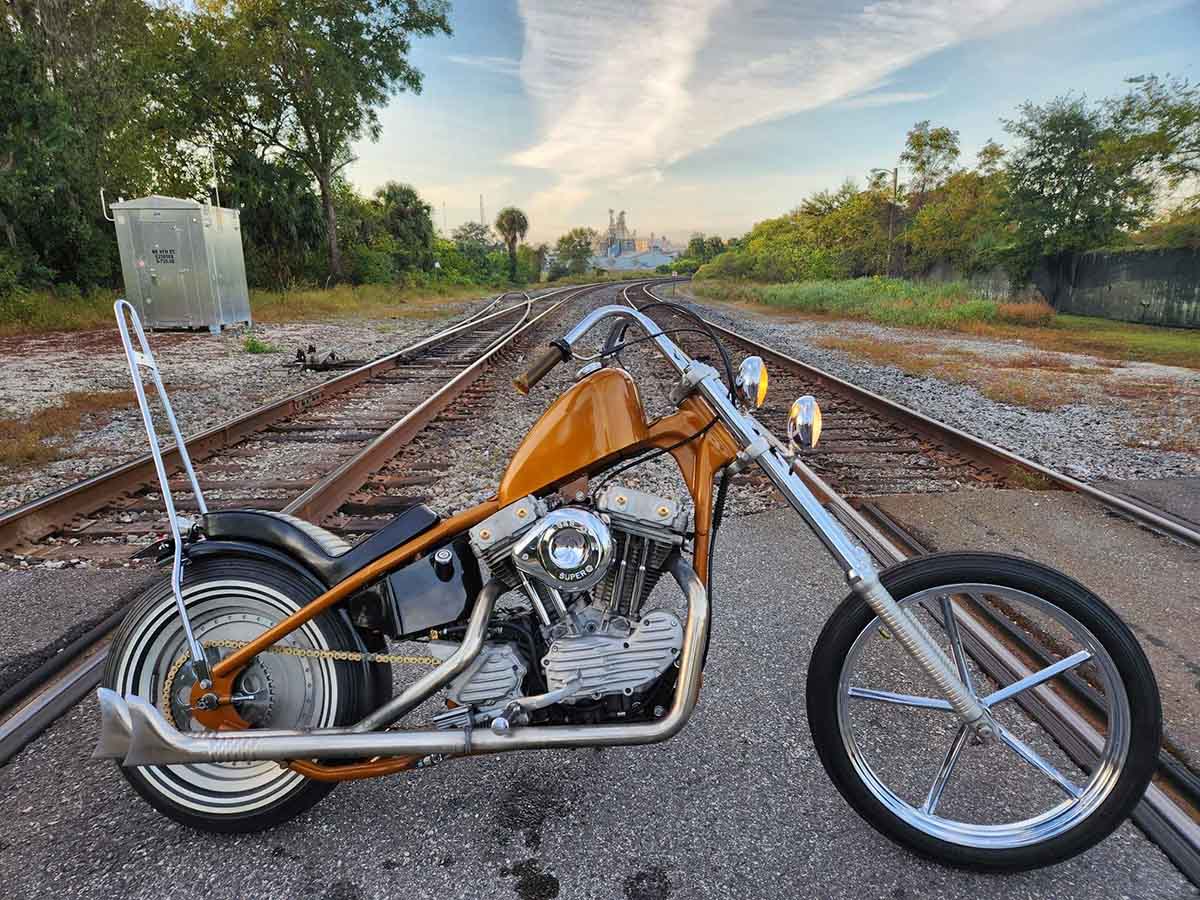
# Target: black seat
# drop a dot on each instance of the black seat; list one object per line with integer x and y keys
{"x": 329, "y": 557}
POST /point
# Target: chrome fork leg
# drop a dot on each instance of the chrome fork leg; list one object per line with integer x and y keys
{"x": 864, "y": 581}
{"x": 914, "y": 638}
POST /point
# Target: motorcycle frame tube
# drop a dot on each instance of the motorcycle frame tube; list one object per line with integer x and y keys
{"x": 155, "y": 742}
{"x": 698, "y": 461}
{"x": 447, "y": 528}
{"x": 434, "y": 680}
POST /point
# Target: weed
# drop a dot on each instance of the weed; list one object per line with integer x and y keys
{"x": 1050, "y": 362}
{"x": 952, "y": 307}
{"x": 1029, "y": 390}
{"x": 35, "y": 440}
{"x": 1029, "y": 479}
{"x": 253, "y": 344}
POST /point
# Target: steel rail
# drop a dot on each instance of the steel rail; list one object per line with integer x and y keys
{"x": 43, "y": 516}
{"x": 1169, "y": 813}
{"x": 324, "y": 497}
{"x": 969, "y": 445}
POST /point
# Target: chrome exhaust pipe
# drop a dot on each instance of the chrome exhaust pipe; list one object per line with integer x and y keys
{"x": 155, "y": 742}
{"x": 116, "y": 722}
{"x": 115, "y": 728}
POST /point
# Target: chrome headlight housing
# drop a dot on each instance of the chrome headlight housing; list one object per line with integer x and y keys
{"x": 804, "y": 423}
{"x": 751, "y": 383}
{"x": 570, "y": 549}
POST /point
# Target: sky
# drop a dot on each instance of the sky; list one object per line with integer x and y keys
{"x": 711, "y": 115}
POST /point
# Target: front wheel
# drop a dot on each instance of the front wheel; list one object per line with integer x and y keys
{"x": 1038, "y": 649}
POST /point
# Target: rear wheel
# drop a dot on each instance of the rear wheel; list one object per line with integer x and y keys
{"x": 1029, "y": 641}
{"x": 230, "y": 601}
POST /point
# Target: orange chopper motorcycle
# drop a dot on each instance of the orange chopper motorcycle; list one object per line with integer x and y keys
{"x": 239, "y": 691}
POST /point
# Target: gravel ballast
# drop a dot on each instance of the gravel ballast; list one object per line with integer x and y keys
{"x": 1086, "y": 440}
{"x": 210, "y": 378}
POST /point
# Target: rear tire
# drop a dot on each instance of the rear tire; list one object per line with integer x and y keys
{"x": 238, "y": 598}
{"x": 915, "y": 827}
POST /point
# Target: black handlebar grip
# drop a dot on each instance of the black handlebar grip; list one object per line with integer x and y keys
{"x": 554, "y": 354}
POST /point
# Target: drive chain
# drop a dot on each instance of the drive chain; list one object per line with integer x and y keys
{"x": 339, "y": 655}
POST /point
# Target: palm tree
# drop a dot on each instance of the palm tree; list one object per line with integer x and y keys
{"x": 512, "y": 225}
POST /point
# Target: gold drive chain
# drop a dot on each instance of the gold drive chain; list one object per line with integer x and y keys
{"x": 340, "y": 655}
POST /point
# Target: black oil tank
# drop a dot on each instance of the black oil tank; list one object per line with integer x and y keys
{"x": 437, "y": 589}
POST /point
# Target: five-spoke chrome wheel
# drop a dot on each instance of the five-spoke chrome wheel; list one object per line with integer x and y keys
{"x": 1069, "y": 698}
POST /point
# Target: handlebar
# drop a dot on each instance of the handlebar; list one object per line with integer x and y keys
{"x": 556, "y": 353}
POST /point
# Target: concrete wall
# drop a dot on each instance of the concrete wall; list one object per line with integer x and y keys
{"x": 1157, "y": 287}
{"x": 993, "y": 284}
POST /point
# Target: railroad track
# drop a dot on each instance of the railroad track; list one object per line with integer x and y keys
{"x": 878, "y": 447}
{"x": 871, "y": 446}
{"x": 307, "y": 454}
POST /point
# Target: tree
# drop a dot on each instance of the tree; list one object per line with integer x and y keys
{"x": 960, "y": 225}
{"x": 512, "y": 225}
{"x": 306, "y": 76}
{"x": 1066, "y": 190}
{"x": 409, "y": 220}
{"x": 1159, "y": 121}
{"x": 574, "y": 249}
{"x": 822, "y": 203}
{"x": 475, "y": 241}
{"x": 930, "y": 153}
{"x": 990, "y": 157}
{"x": 281, "y": 217}
{"x": 82, "y": 91}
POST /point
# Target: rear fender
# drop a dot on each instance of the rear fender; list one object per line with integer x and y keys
{"x": 249, "y": 549}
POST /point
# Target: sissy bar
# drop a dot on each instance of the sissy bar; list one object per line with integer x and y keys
{"x": 143, "y": 360}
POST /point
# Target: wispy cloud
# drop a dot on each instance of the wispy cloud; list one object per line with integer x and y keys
{"x": 886, "y": 98}
{"x": 501, "y": 65}
{"x": 625, "y": 90}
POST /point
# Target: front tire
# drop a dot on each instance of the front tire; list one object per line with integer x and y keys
{"x": 237, "y": 599}
{"x": 896, "y": 761}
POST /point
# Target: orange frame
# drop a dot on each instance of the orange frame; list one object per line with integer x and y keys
{"x": 585, "y": 430}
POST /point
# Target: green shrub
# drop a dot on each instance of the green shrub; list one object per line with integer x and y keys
{"x": 889, "y": 301}
{"x": 253, "y": 344}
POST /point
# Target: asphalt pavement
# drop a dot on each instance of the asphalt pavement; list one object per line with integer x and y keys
{"x": 736, "y": 806}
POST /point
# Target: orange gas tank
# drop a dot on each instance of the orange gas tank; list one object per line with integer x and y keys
{"x": 582, "y": 431}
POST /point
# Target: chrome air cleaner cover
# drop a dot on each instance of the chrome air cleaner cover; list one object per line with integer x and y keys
{"x": 569, "y": 549}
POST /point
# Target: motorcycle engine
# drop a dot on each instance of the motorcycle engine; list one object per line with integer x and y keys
{"x": 587, "y": 569}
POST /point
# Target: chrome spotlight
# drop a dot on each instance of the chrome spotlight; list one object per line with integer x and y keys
{"x": 804, "y": 424}
{"x": 751, "y": 383}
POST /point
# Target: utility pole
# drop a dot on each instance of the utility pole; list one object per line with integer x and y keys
{"x": 482, "y": 221}
{"x": 444, "y": 232}
{"x": 895, "y": 173}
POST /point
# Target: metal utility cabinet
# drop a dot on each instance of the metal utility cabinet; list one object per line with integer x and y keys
{"x": 182, "y": 262}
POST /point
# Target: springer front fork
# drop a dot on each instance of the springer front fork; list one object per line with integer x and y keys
{"x": 863, "y": 578}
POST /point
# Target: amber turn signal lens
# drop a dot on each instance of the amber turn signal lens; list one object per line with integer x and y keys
{"x": 804, "y": 423}
{"x": 751, "y": 383}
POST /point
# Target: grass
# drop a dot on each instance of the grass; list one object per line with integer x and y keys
{"x": 890, "y": 301}
{"x": 39, "y": 312}
{"x": 1034, "y": 380}
{"x": 254, "y": 345}
{"x": 366, "y": 301}
{"x": 951, "y": 307}
{"x": 25, "y": 442}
